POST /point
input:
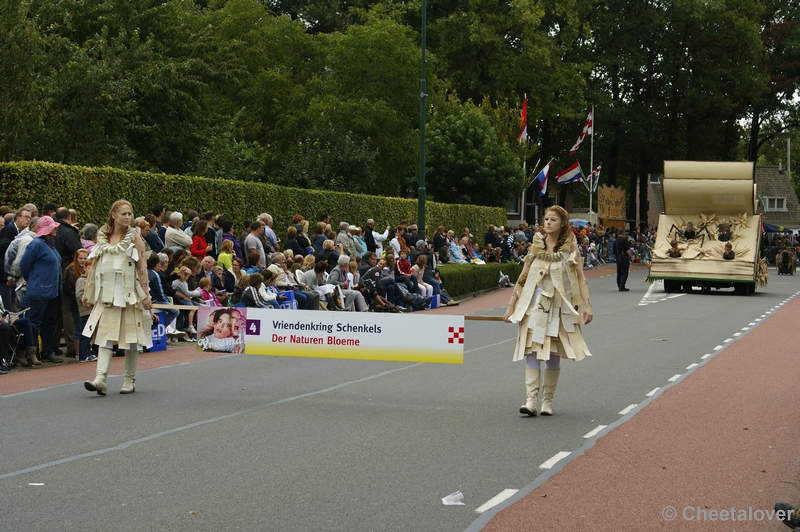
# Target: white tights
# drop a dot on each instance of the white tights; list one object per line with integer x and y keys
{"x": 531, "y": 362}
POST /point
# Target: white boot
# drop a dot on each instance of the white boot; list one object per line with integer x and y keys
{"x": 532, "y": 389}
{"x": 549, "y": 383}
{"x": 128, "y": 383}
{"x": 103, "y": 362}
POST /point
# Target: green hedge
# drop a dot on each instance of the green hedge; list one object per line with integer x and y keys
{"x": 465, "y": 279}
{"x": 91, "y": 191}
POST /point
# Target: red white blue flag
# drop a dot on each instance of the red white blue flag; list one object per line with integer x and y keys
{"x": 541, "y": 178}
{"x": 570, "y": 174}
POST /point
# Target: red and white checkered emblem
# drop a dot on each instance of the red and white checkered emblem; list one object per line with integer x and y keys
{"x": 456, "y": 336}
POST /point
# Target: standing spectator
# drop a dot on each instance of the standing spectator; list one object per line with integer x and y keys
{"x": 622, "y": 254}
{"x": 84, "y": 310}
{"x": 200, "y": 246}
{"x": 89, "y": 237}
{"x": 21, "y": 220}
{"x": 374, "y": 239}
{"x": 227, "y": 227}
{"x": 41, "y": 267}
{"x": 253, "y": 243}
{"x": 211, "y": 233}
{"x": 269, "y": 235}
{"x": 119, "y": 288}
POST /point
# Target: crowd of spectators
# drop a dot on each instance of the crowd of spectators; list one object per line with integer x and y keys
{"x": 205, "y": 259}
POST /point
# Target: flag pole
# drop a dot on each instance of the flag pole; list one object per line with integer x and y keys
{"x": 591, "y": 164}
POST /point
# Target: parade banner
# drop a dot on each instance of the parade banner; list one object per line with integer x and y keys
{"x": 320, "y": 334}
{"x": 611, "y": 205}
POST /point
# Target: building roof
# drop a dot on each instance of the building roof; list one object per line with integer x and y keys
{"x": 774, "y": 182}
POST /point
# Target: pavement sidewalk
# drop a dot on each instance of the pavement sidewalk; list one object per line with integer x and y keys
{"x": 724, "y": 438}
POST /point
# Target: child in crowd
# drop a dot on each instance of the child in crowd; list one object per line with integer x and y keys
{"x": 418, "y": 270}
{"x": 84, "y": 342}
{"x": 208, "y": 295}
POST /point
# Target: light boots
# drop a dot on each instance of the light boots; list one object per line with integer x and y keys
{"x": 103, "y": 362}
{"x": 549, "y": 383}
{"x": 131, "y": 358}
{"x": 32, "y": 354}
{"x": 532, "y": 389}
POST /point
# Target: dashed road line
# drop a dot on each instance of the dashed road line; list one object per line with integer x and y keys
{"x": 595, "y": 431}
{"x": 554, "y": 460}
{"x": 627, "y": 409}
{"x": 494, "y": 501}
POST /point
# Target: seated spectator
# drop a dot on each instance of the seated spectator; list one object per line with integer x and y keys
{"x": 402, "y": 270}
{"x": 269, "y": 291}
{"x": 455, "y": 253}
{"x": 353, "y": 300}
{"x": 244, "y": 282}
{"x": 231, "y": 276}
{"x": 330, "y": 254}
{"x": 209, "y": 297}
{"x": 185, "y": 296}
{"x": 253, "y": 260}
{"x": 425, "y": 290}
{"x": 10, "y": 326}
{"x": 156, "y": 265}
{"x": 174, "y": 237}
{"x": 252, "y": 295}
{"x": 150, "y": 236}
{"x": 292, "y": 244}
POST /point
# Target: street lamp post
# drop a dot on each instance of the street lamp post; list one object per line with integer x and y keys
{"x": 422, "y": 113}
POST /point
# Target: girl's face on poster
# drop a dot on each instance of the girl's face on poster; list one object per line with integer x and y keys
{"x": 223, "y": 326}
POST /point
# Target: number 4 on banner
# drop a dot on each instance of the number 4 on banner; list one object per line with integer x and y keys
{"x": 253, "y": 326}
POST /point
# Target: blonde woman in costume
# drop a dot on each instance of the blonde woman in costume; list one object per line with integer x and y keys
{"x": 550, "y": 303}
{"x": 118, "y": 288}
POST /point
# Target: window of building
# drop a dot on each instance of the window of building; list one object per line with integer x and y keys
{"x": 774, "y": 203}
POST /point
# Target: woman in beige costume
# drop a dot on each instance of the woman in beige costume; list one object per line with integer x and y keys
{"x": 550, "y": 303}
{"x": 119, "y": 289}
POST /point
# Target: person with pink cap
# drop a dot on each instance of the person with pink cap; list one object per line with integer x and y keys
{"x": 41, "y": 268}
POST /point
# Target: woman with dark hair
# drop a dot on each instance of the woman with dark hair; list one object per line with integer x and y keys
{"x": 200, "y": 246}
{"x": 550, "y": 302}
{"x": 120, "y": 291}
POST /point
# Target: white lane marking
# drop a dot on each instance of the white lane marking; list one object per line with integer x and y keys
{"x": 690, "y": 366}
{"x": 647, "y": 299}
{"x": 745, "y": 328}
{"x": 674, "y": 378}
{"x": 494, "y": 501}
{"x": 718, "y": 347}
{"x": 728, "y": 340}
{"x": 595, "y": 431}
{"x": 652, "y": 392}
{"x": 554, "y": 460}
{"x": 737, "y": 334}
{"x": 627, "y": 409}
{"x": 705, "y": 356}
{"x": 752, "y": 323}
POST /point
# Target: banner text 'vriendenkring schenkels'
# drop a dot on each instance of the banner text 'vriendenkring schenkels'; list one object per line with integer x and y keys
{"x": 324, "y": 327}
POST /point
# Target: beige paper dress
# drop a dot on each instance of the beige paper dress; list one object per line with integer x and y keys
{"x": 118, "y": 316}
{"x": 549, "y": 309}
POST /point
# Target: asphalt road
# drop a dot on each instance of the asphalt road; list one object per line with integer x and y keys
{"x": 272, "y": 443}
